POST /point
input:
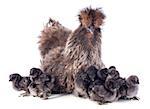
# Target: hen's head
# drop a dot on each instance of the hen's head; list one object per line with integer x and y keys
{"x": 91, "y": 18}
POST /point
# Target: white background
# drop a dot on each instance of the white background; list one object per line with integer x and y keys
{"x": 125, "y": 44}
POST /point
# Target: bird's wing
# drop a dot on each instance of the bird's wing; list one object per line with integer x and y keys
{"x": 53, "y": 35}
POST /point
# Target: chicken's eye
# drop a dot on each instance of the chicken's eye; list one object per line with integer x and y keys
{"x": 24, "y": 81}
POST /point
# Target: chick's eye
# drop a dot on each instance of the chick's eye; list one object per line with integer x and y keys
{"x": 133, "y": 80}
{"x": 13, "y": 77}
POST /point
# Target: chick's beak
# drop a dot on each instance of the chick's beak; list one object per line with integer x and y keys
{"x": 138, "y": 82}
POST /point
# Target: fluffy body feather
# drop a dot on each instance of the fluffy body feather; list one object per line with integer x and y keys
{"x": 80, "y": 49}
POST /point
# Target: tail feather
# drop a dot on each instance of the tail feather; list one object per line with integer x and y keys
{"x": 53, "y": 35}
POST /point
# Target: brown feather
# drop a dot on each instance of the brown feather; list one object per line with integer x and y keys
{"x": 81, "y": 50}
{"x": 53, "y": 35}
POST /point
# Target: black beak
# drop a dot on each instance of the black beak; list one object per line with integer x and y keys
{"x": 138, "y": 82}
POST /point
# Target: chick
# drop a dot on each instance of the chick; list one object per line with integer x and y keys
{"x": 101, "y": 76}
{"x": 132, "y": 87}
{"x": 105, "y": 93}
{"x": 20, "y": 83}
{"x": 24, "y": 83}
{"x": 43, "y": 86}
{"x": 81, "y": 84}
{"x": 92, "y": 72}
{"x": 113, "y": 73}
{"x": 112, "y": 67}
{"x": 34, "y": 89}
{"x": 129, "y": 88}
{"x": 46, "y": 85}
{"x": 121, "y": 93}
{"x": 15, "y": 79}
{"x": 34, "y": 74}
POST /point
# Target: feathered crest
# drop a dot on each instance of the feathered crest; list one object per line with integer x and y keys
{"x": 88, "y": 16}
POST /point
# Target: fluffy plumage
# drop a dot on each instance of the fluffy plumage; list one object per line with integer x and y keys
{"x": 81, "y": 49}
{"x": 102, "y": 74}
{"x": 132, "y": 84}
{"x": 113, "y": 73}
{"x": 34, "y": 89}
{"x": 35, "y": 74}
{"x": 24, "y": 83}
{"x": 92, "y": 73}
{"x": 42, "y": 83}
{"x": 105, "y": 93}
{"x": 123, "y": 88}
{"x": 20, "y": 83}
{"x": 82, "y": 82}
{"x": 46, "y": 85}
{"x": 53, "y": 35}
{"x": 15, "y": 79}
{"x": 129, "y": 88}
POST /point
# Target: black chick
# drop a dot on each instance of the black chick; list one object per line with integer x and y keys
{"x": 92, "y": 72}
{"x": 129, "y": 88}
{"x": 15, "y": 79}
{"x": 100, "y": 78}
{"x": 132, "y": 87}
{"x": 24, "y": 83}
{"x": 20, "y": 83}
{"x": 43, "y": 86}
{"x": 121, "y": 93}
{"x": 105, "y": 93}
{"x": 46, "y": 85}
{"x": 34, "y": 74}
{"x": 81, "y": 84}
{"x": 34, "y": 89}
{"x": 102, "y": 74}
{"x": 113, "y": 73}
